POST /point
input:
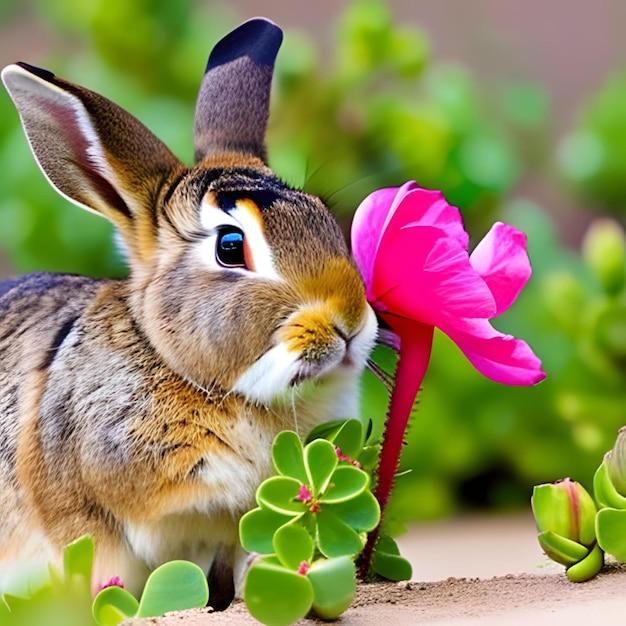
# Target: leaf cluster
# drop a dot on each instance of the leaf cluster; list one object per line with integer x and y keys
{"x": 309, "y": 526}
{"x": 173, "y": 586}
{"x": 575, "y": 530}
{"x": 39, "y": 594}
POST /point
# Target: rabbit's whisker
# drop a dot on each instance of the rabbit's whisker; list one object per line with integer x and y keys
{"x": 293, "y": 408}
{"x": 385, "y": 378}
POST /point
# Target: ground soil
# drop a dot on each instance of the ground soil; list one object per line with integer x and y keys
{"x": 479, "y": 591}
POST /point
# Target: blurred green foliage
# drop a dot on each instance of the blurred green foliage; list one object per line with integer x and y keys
{"x": 377, "y": 110}
{"x": 593, "y": 155}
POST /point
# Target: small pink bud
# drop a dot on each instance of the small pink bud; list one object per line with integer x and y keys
{"x": 116, "y": 581}
{"x": 343, "y": 457}
{"x": 303, "y": 568}
{"x": 304, "y": 495}
{"x": 315, "y": 507}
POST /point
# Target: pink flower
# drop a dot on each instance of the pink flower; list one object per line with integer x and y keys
{"x": 411, "y": 249}
{"x": 304, "y": 495}
{"x": 116, "y": 581}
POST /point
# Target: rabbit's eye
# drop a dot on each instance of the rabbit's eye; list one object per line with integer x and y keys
{"x": 229, "y": 249}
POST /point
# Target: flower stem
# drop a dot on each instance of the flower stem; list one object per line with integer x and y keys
{"x": 415, "y": 348}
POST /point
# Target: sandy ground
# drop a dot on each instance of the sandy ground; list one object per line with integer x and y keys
{"x": 470, "y": 571}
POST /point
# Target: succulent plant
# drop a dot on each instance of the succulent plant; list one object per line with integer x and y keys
{"x": 565, "y": 514}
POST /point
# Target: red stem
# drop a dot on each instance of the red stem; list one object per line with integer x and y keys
{"x": 415, "y": 348}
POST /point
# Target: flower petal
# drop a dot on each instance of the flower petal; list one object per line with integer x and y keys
{"x": 460, "y": 290}
{"x": 501, "y": 259}
{"x": 394, "y": 208}
{"x": 368, "y": 225}
{"x": 502, "y": 358}
{"x": 424, "y": 207}
{"x": 423, "y": 275}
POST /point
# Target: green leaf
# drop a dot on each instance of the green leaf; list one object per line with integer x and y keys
{"x": 335, "y": 537}
{"x": 361, "y": 513}
{"x": 292, "y": 545}
{"x": 611, "y": 532}
{"x": 604, "y": 491}
{"x": 257, "y": 528}
{"x": 346, "y": 434}
{"x": 327, "y": 430}
{"x": 113, "y": 605}
{"x": 391, "y": 566}
{"x": 368, "y": 459}
{"x": 321, "y": 460}
{"x": 561, "y": 549}
{"x": 588, "y": 567}
{"x": 349, "y": 439}
{"x": 387, "y": 562}
{"x": 14, "y": 602}
{"x": 62, "y": 601}
{"x": 387, "y": 544}
{"x": 174, "y": 586}
{"x": 288, "y": 456}
{"x": 279, "y": 494}
{"x": 277, "y": 596}
{"x": 78, "y": 557}
{"x": 334, "y": 586}
{"x": 552, "y": 510}
{"x": 346, "y": 483}
{"x": 369, "y": 431}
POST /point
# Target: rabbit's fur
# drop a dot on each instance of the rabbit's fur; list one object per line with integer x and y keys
{"x": 142, "y": 411}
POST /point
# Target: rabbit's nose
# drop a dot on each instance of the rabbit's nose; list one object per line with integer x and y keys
{"x": 347, "y": 340}
{"x": 358, "y": 341}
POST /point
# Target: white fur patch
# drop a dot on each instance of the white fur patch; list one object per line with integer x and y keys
{"x": 269, "y": 376}
{"x": 363, "y": 342}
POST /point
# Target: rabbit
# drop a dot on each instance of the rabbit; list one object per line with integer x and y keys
{"x": 142, "y": 410}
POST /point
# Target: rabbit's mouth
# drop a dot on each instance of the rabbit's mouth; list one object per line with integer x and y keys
{"x": 310, "y": 371}
{"x": 300, "y": 377}
{"x": 305, "y": 354}
{"x": 280, "y": 370}
{"x": 339, "y": 356}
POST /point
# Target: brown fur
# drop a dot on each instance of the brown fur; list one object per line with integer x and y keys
{"x": 134, "y": 409}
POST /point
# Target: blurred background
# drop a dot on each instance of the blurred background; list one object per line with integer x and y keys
{"x": 517, "y": 111}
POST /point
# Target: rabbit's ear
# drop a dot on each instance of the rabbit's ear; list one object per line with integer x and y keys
{"x": 91, "y": 150}
{"x": 233, "y": 103}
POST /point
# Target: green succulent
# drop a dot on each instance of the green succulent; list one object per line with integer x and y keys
{"x": 565, "y": 514}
